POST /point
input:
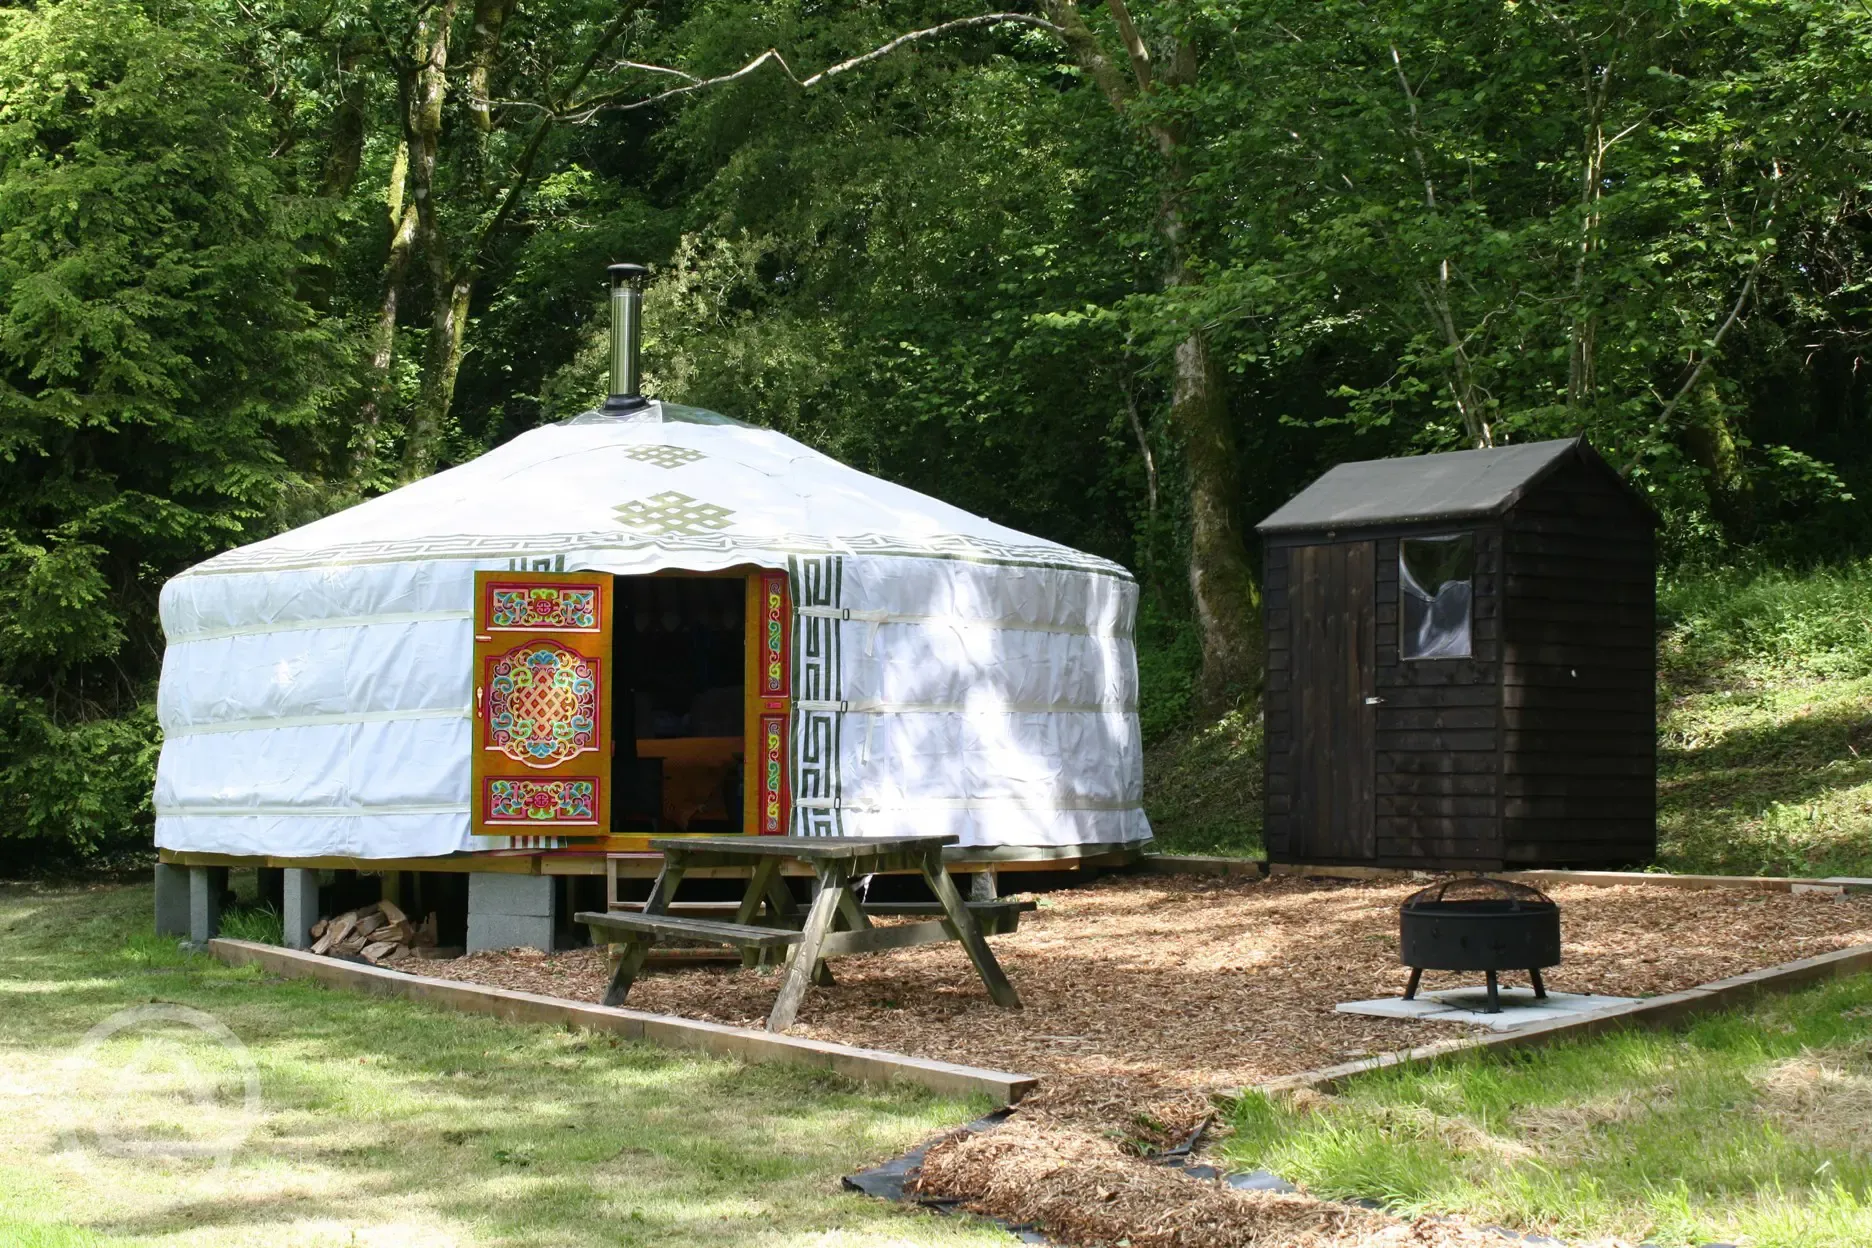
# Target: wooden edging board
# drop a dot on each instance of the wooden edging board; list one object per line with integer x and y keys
{"x": 667, "y": 1030}
{"x": 1204, "y": 864}
{"x": 1661, "y": 1011}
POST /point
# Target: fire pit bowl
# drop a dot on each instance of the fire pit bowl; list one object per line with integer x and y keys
{"x": 1479, "y": 924}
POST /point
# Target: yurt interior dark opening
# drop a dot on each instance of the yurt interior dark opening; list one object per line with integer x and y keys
{"x": 678, "y": 682}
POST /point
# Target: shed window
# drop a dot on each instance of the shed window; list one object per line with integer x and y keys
{"x": 1436, "y": 594}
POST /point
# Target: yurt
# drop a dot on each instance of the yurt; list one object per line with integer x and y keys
{"x": 648, "y": 619}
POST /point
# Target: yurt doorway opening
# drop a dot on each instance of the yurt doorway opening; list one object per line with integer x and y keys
{"x": 612, "y": 708}
{"x": 679, "y": 681}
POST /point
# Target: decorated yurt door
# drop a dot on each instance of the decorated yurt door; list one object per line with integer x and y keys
{"x": 770, "y": 705}
{"x": 542, "y": 726}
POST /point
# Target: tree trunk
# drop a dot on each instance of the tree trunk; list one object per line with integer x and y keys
{"x": 441, "y": 364}
{"x": 1222, "y": 585}
{"x": 423, "y": 125}
{"x": 346, "y": 154}
{"x": 490, "y": 18}
{"x": 367, "y": 443}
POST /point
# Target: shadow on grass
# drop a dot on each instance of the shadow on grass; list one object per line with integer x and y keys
{"x": 385, "y": 1119}
{"x": 1772, "y": 784}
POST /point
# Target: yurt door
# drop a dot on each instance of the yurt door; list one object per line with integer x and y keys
{"x": 1331, "y": 588}
{"x": 769, "y": 704}
{"x": 542, "y": 724}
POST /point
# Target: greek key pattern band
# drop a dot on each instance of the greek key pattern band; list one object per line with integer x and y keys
{"x": 817, "y": 677}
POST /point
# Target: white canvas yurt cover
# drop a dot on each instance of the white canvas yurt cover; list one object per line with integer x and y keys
{"x": 944, "y": 674}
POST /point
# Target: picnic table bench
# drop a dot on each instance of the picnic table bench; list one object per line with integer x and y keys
{"x": 835, "y": 924}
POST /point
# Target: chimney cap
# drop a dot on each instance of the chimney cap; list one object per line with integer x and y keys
{"x": 621, "y": 273}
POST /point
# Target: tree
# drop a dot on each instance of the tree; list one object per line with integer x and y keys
{"x": 1221, "y": 583}
{"x": 153, "y": 354}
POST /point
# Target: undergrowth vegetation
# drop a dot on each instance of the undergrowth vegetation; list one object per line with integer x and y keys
{"x": 1765, "y": 721}
{"x": 1746, "y": 1127}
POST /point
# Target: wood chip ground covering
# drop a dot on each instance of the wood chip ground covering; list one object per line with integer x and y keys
{"x": 1140, "y": 987}
{"x": 1082, "y": 1189}
{"x": 1145, "y": 994}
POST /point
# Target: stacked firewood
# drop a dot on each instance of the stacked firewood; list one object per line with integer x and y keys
{"x": 377, "y": 933}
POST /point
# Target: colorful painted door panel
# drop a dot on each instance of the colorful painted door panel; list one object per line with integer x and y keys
{"x": 542, "y": 719}
{"x": 770, "y": 703}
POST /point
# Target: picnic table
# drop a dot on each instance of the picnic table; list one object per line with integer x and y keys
{"x": 836, "y": 922}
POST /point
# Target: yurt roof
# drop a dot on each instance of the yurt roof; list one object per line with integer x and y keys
{"x": 666, "y": 486}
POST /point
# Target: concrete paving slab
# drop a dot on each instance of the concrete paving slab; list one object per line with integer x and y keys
{"x": 1520, "y": 1008}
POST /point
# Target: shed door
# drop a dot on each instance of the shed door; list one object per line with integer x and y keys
{"x": 1331, "y": 590}
{"x": 542, "y": 726}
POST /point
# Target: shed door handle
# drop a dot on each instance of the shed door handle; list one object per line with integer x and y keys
{"x": 1374, "y": 701}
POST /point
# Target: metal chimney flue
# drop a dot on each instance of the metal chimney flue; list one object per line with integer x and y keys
{"x": 626, "y": 333}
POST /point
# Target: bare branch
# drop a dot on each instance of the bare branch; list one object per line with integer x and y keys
{"x": 1134, "y": 46}
{"x": 656, "y": 69}
{"x": 523, "y": 168}
{"x": 1696, "y": 374}
{"x": 1410, "y": 98}
{"x": 980, "y": 19}
{"x": 609, "y": 103}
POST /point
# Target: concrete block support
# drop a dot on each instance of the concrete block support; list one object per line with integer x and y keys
{"x": 509, "y": 911}
{"x": 206, "y": 887}
{"x": 172, "y": 900}
{"x": 300, "y": 909}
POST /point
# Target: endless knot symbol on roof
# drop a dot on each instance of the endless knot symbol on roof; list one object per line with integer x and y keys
{"x": 672, "y": 514}
{"x": 664, "y": 456}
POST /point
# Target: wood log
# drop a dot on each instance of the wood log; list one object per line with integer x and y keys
{"x": 426, "y": 934}
{"x": 318, "y": 928}
{"x": 377, "y": 951}
{"x": 339, "y": 929}
{"x": 391, "y": 912}
{"x": 367, "y": 924}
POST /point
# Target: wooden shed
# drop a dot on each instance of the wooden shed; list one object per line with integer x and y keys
{"x": 1462, "y": 664}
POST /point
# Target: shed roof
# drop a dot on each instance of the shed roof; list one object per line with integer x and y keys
{"x": 1454, "y": 485}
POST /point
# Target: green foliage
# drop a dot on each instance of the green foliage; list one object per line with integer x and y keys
{"x": 260, "y": 923}
{"x": 1744, "y": 1127}
{"x": 1203, "y": 787}
{"x": 81, "y": 788}
{"x": 1394, "y": 222}
{"x": 1169, "y": 653}
{"x": 153, "y": 351}
{"x": 1758, "y": 624}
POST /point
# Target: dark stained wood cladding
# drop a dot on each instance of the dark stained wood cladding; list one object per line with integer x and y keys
{"x": 1579, "y": 674}
{"x": 1439, "y": 726}
{"x": 1330, "y": 814}
{"x": 1539, "y": 749}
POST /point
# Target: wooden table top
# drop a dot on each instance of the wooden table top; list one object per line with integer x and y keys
{"x": 690, "y": 749}
{"x": 807, "y": 848}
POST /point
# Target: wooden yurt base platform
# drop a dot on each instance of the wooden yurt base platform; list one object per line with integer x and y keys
{"x": 643, "y": 863}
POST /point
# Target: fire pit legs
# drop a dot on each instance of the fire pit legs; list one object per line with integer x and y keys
{"x": 1479, "y": 924}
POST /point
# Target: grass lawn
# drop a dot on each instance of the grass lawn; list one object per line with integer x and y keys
{"x": 1753, "y": 1127}
{"x": 1765, "y": 723}
{"x": 382, "y": 1122}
